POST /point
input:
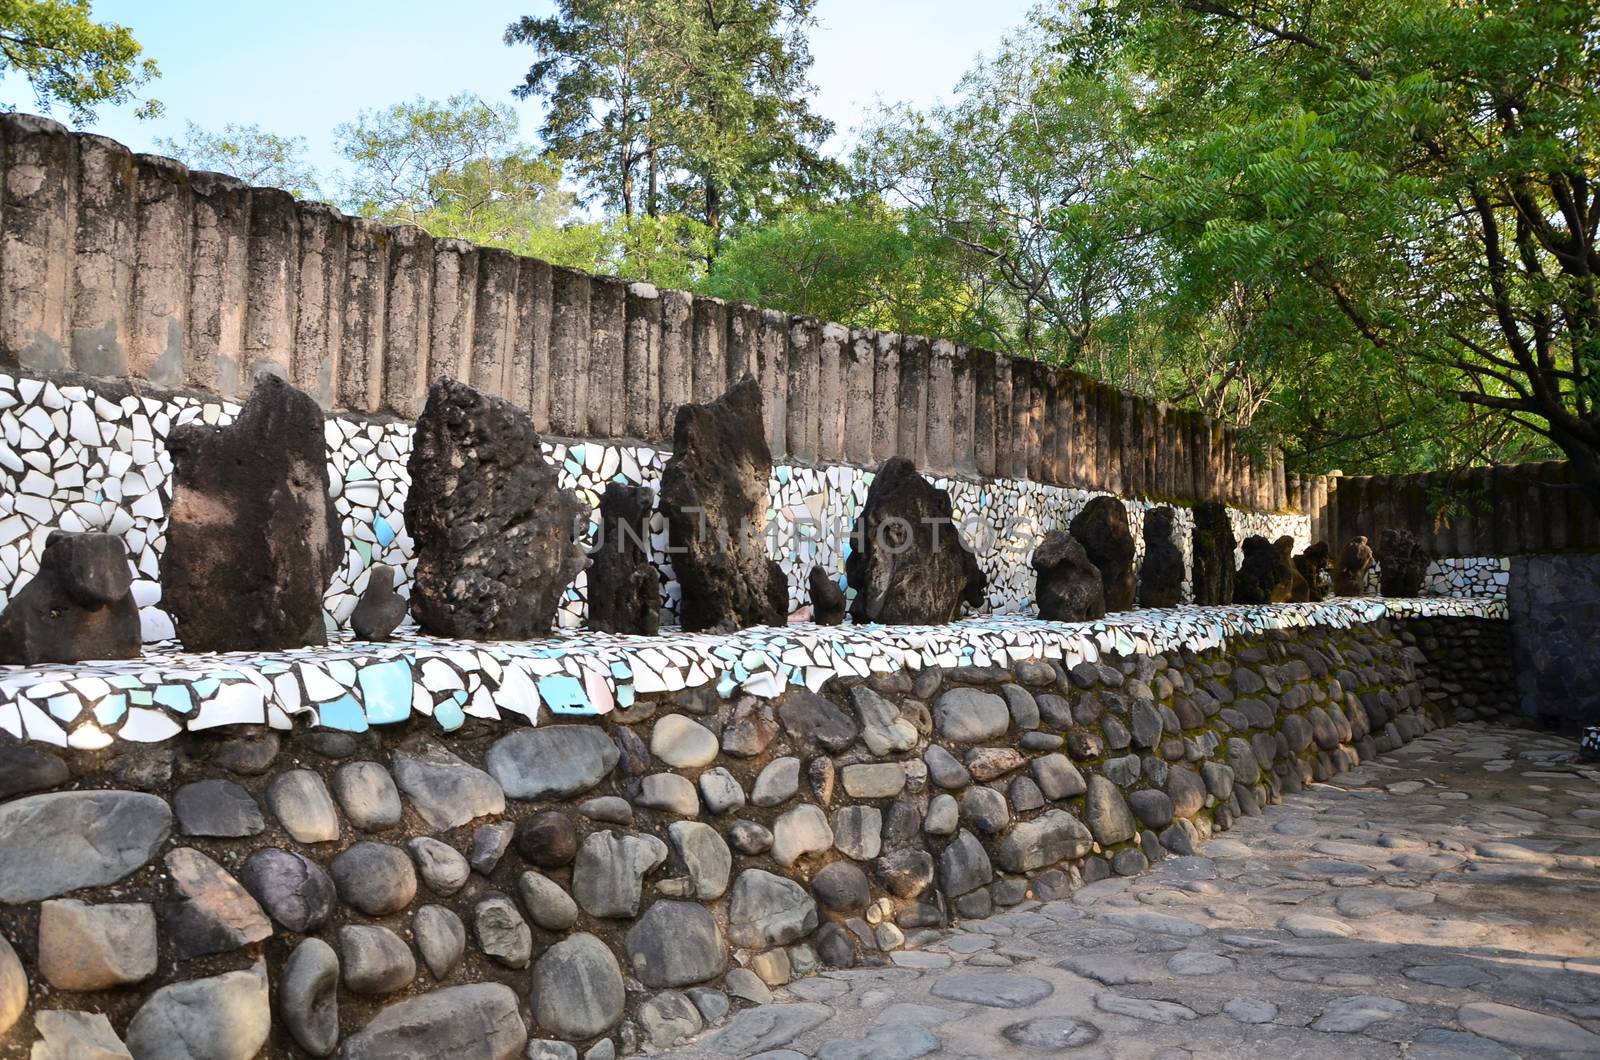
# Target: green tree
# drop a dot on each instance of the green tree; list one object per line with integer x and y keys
{"x": 70, "y": 59}
{"x": 711, "y": 97}
{"x": 1411, "y": 185}
{"x": 249, "y": 153}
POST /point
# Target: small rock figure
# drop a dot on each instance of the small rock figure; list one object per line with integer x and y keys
{"x": 79, "y": 606}
{"x": 1402, "y": 563}
{"x": 1350, "y": 579}
{"x": 495, "y": 532}
{"x": 252, "y": 535}
{"x": 714, "y": 498}
{"x": 624, "y": 586}
{"x": 1313, "y": 567}
{"x": 1161, "y": 573}
{"x": 1299, "y": 588}
{"x": 827, "y": 599}
{"x": 1265, "y": 576}
{"x": 1213, "y": 554}
{"x": 380, "y": 609}
{"x": 909, "y": 565}
{"x": 1102, "y": 529}
{"x": 1067, "y": 588}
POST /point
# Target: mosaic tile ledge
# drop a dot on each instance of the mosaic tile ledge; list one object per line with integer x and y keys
{"x": 351, "y": 685}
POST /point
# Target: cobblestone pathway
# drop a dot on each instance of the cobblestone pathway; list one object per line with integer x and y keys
{"x": 1441, "y": 901}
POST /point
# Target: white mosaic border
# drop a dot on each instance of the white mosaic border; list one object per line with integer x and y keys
{"x": 351, "y": 686}
{"x": 1465, "y": 577}
{"x": 74, "y": 459}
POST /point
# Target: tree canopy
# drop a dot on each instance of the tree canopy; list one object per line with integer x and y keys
{"x": 249, "y": 153}
{"x": 71, "y": 60}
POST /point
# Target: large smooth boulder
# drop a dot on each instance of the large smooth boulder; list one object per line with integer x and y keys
{"x": 495, "y": 534}
{"x": 907, "y": 563}
{"x": 13, "y": 987}
{"x": 1350, "y": 577}
{"x": 1161, "y": 573}
{"x": 1312, "y": 565}
{"x": 578, "y": 990}
{"x": 1402, "y": 563}
{"x": 55, "y": 843}
{"x": 624, "y": 586}
{"x": 476, "y": 1022}
{"x": 714, "y": 499}
{"x": 676, "y": 944}
{"x": 768, "y": 910}
{"x": 552, "y": 760}
{"x": 225, "y": 1017}
{"x": 253, "y": 538}
{"x": 1102, "y": 529}
{"x": 1265, "y": 576}
{"x": 1211, "y": 556}
{"x": 1067, "y": 587}
{"x": 79, "y": 606}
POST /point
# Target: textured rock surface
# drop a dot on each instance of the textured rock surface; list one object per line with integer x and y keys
{"x": 495, "y": 534}
{"x": 94, "y": 947}
{"x": 380, "y": 608}
{"x": 253, "y": 538}
{"x": 78, "y": 606}
{"x": 1102, "y": 529}
{"x": 827, "y": 599}
{"x": 1312, "y": 565}
{"x": 1211, "y": 558}
{"x": 1067, "y": 587}
{"x": 94, "y": 838}
{"x": 476, "y": 1022}
{"x": 207, "y": 910}
{"x": 1350, "y": 577}
{"x": 1402, "y": 563}
{"x": 557, "y": 760}
{"x": 1161, "y": 573}
{"x": 224, "y": 1017}
{"x": 714, "y": 499}
{"x": 577, "y": 988}
{"x": 624, "y": 587}
{"x": 908, "y": 564}
{"x": 1265, "y": 575}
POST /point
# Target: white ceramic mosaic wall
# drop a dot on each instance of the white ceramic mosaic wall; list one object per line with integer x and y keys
{"x": 352, "y": 686}
{"x": 80, "y": 460}
{"x": 1464, "y": 577}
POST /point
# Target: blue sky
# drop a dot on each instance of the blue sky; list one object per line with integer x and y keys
{"x": 297, "y": 67}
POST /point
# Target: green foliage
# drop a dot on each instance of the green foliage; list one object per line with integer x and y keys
{"x": 70, "y": 59}
{"x": 710, "y": 100}
{"x": 248, "y": 152}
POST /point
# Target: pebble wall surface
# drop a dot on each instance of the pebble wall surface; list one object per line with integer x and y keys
{"x": 612, "y": 884}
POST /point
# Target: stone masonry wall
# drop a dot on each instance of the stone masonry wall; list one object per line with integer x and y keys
{"x": 615, "y": 883}
{"x": 1464, "y": 665}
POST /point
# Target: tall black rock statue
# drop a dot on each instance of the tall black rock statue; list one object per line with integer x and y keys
{"x": 79, "y": 606}
{"x": 714, "y": 498}
{"x": 252, "y": 536}
{"x": 1161, "y": 573}
{"x": 1350, "y": 577}
{"x": 827, "y": 599}
{"x": 1212, "y": 554}
{"x": 624, "y": 586}
{"x": 907, "y": 563}
{"x": 1265, "y": 576}
{"x": 495, "y": 534}
{"x": 1102, "y": 529}
{"x": 1067, "y": 587}
{"x": 1402, "y": 563}
{"x": 1313, "y": 567}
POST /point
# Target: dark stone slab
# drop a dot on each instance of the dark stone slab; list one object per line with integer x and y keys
{"x": 1265, "y": 576}
{"x": 79, "y": 605}
{"x": 380, "y": 608}
{"x": 494, "y": 531}
{"x": 1102, "y": 528}
{"x": 827, "y": 599}
{"x": 1067, "y": 587}
{"x": 624, "y": 586}
{"x": 1312, "y": 565}
{"x": 1161, "y": 573}
{"x": 252, "y": 536}
{"x": 714, "y": 499}
{"x": 1212, "y": 554}
{"x": 908, "y": 564}
{"x": 1349, "y": 578}
{"x": 1402, "y": 563}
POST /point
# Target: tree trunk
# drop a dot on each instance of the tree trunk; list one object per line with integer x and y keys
{"x": 650, "y": 205}
{"x": 713, "y": 220}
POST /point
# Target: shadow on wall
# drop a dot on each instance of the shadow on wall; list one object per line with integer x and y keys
{"x": 1554, "y": 603}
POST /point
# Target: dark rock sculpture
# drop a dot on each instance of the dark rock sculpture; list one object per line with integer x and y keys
{"x": 1067, "y": 587}
{"x": 1265, "y": 576}
{"x": 380, "y": 609}
{"x": 827, "y": 599}
{"x": 908, "y": 564}
{"x": 1350, "y": 579}
{"x": 79, "y": 605}
{"x": 624, "y": 586}
{"x": 496, "y": 536}
{"x": 1212, "y": 554}
{"x": 1102, "y": 528}
{"x": 1402, "y": 563}
{"x": 1313, "y": 567}
{"x": 714, "y": 498}
{"x": 1299, "y": 588}
{"x": 252, "y": 536}
{"x": 1161, "y": 573}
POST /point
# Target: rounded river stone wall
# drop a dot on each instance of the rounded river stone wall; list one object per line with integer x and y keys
{"x": 611, "y": 885}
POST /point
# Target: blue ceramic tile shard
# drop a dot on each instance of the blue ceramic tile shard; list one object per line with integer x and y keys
{"x": 386, "y": 691}
{"x": 564, "y": 694}
{"x": 175, "y": 698}
{"x": 343, "y": 713}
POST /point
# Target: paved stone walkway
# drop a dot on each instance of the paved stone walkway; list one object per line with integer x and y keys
{"x": 1442, "y": 901}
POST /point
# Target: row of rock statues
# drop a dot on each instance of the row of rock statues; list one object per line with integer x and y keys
{"x": 253, "y": 540}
